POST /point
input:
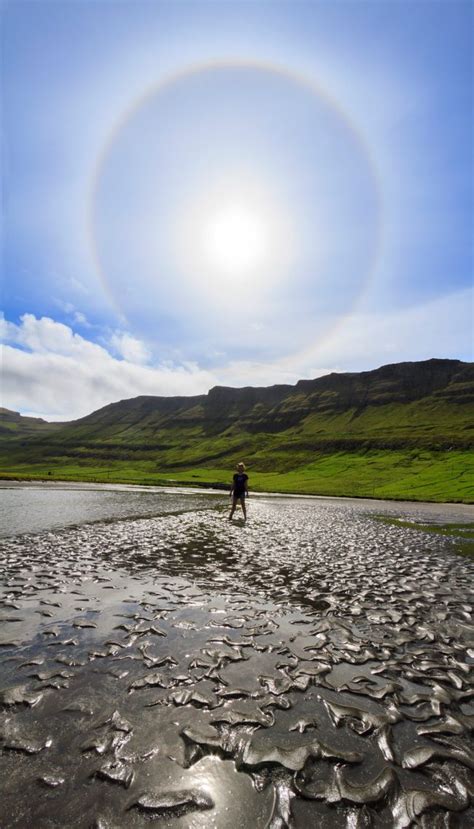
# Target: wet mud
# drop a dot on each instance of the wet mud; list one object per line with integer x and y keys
{"x": 308, "y": 668}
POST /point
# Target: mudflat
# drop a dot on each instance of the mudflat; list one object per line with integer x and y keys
{"x": 309, "y": 667}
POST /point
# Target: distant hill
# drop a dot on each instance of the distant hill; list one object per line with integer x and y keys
{"x": 404, "y": 407}
{"x": 14, "y": 424}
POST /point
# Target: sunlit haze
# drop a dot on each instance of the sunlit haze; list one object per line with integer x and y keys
{"x": 235, "y": 240}
{"x": 233, "y": 245}
{"x": 205, "y": 193}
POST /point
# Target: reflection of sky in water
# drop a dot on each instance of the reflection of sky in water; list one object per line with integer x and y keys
{"x": 33, "y": 509}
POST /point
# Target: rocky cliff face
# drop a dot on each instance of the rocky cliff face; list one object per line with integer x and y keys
{"x": 275, "y": 408}
{"x": 396, "y": 383}
{"x": 279, "y": 407}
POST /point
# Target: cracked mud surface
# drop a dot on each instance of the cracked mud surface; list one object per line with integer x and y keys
{"x": 310, "y": 668}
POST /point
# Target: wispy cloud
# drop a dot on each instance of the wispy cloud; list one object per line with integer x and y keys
{"x": 73, "y": 315}
{"x": 366, "y": 340}
{"x": 440, "y": 328}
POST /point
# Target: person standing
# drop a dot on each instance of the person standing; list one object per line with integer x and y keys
{"x": 239, "y": 490}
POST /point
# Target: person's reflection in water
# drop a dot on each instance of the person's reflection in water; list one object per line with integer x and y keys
{"x": 239, "y": 490}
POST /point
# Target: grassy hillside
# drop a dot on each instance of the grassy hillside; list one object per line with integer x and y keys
{"x": 403, "y": 431}
{"x": 13, "y": 425}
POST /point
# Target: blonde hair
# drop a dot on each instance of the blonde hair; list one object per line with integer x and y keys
{"x": 240, "y": 465}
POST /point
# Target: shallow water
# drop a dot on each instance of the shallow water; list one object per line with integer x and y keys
{"x": 50, "y": 506}
{"x": 309, "y": 668}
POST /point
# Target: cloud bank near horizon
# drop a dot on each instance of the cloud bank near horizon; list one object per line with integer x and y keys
{"x": 52, "y": 372}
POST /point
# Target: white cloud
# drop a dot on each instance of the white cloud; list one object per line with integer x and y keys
{"x": 46, "y": 335}
{"x": 57, "y": 374}
{"x": 46, "y": 368}
{"x": 128, "y": 347}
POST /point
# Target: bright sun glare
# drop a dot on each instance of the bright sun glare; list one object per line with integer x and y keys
{"x": 236, "y": 235}
{"x": 235, "y": 239}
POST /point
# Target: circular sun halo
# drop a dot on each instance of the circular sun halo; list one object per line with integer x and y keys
{"x": 235, "y": 239}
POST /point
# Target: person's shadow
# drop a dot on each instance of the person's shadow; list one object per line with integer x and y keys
{"x": 240, "y": 522}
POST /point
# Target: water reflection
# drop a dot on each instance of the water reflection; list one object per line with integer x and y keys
{"x": 34, "y": 508}
{"x": 308, "y": 668}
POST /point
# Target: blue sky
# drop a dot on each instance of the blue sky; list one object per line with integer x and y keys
{"x": 235, "y": 193}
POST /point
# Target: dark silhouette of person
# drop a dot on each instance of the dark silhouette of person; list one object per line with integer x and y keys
{"x": 239, "y": 490}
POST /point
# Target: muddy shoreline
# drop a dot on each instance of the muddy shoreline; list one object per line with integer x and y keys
{"x": 308, "y": 668}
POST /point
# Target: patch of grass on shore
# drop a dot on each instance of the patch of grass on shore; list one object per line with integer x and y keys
{"x": 413, "y": 475}
{"x": 463, "y": 533}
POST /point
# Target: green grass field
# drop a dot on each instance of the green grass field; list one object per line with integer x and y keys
{"x": 415, "y": 475}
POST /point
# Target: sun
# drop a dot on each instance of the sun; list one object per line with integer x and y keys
{"x": 235, "y": 239}
{"x": 234, "y": 234}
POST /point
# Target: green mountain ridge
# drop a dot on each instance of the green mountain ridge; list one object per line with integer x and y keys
{"x": 396, "y": 412}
